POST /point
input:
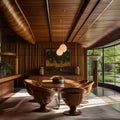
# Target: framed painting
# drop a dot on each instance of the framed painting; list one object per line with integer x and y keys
{"x": 53, "y": 60}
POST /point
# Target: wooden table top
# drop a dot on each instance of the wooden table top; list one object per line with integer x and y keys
{"x": 67, "y": 84}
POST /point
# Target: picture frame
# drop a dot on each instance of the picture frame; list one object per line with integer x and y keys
{"x": 52, "y": 60}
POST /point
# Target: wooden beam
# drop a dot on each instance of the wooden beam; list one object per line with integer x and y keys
{"x": 85, "y": 19}
{"x": 17, "y": 20}
{"x": 81, "y": 9}
{"x": 48, "y": 19}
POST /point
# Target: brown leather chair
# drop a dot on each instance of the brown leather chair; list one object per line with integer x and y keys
{"x": 88, "y": 87}
{"x": 43, "y": 96}
{"x": 82, "y": 81}
{"x": 28, "y": 83}
{"x": 72, "y": 97}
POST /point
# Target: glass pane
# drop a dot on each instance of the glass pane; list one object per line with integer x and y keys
{"x": 94, "y": 52}
{"x": 109, "y": 69}
{"x": 89, "y": 52}
{"x": 90, "y": 69}
{"x": 109, "y": 59}
{"x": 109, "y": 51}
{"x": 97, "y": 51}
{"x": 100, "y": 74}
{"x": 111, "y": 64}
{"x": 117, "y": 70}
{"x": 117, "y": 49}
{"x": 90, "y": 64}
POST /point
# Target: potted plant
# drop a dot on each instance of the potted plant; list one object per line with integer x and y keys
{"x": 5, "y": 69}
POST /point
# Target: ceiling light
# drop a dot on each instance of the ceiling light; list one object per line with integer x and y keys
{"x": 63, "y": 47}
{"x": 59, "y": 52}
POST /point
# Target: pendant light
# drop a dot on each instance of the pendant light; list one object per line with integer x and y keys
{"x": 63, "y": 47}
{"x": 59, "y": 52}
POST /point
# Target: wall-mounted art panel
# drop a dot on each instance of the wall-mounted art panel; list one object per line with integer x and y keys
{"x": 53, "y": 60}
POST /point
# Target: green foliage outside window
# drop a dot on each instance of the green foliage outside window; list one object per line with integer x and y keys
{"x": 6, "y": 69}
{"x": 111, "y": 64}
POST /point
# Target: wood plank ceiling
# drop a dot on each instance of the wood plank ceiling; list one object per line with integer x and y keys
{"x": 87, "y": 22}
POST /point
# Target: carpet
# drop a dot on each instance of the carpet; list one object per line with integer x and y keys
{"x": 18, "y": 107}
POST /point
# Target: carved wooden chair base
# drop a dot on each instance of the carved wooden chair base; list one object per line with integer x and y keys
{"x": 42, "y": 109}
{"x": 77, "y": 112}
{"x": 72, "y": 112}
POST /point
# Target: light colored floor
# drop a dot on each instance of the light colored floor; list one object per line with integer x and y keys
{"x": 108, "y": 95}
{"x": 103, "y": 104}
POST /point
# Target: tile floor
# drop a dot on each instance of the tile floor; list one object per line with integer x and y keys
{"x": 104, "y": 106}
{"x": 108, "y": 95}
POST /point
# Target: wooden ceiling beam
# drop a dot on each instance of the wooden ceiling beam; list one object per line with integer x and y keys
{"x": 84, "y": 21}
{"x": 93, "y": 30}
{"x": 82, "y": 7}
{"x": 48, "y": 19}
{"x": 109, "y": 36}
{"x": 76, "y": 33}
{"x": 17, "y": 20}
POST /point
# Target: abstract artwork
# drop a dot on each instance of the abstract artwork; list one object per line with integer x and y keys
{"x": 53, "y": 60}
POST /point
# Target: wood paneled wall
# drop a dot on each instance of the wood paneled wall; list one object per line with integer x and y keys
{"x": 8, "y": 45}
{"x": 32, "y": 57}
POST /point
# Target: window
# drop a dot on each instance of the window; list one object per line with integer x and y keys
{"x": 108, "y": 65}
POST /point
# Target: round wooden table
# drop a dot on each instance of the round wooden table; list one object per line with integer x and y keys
{"x": 67, "y": 84}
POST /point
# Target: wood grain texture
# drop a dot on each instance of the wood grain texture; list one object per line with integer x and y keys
{"x": 86, "y": 22}
{"x": 17, "y": 20}
{"x": 7, "y": 84}
{"x": 32, "y": 57}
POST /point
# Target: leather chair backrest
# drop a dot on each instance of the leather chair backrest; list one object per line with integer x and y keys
{"x": 28, "y": 83}
{"x": 87, "y": 87}
{"x": 72, "y": 96}
{"x": 42, "y": 95}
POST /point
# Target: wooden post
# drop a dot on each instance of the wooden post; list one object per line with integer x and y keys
{"x": 95, "y": 59}
{"x": 95, "y": 74}
{"x": 0, "y": 42}
{"x": 16, "y": 59}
